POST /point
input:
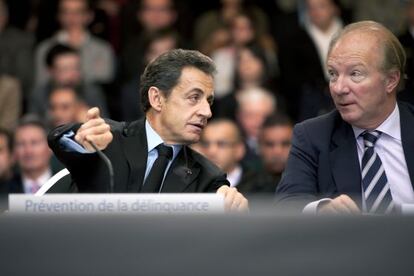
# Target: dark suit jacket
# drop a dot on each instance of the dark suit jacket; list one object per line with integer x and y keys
{"x": 323, "y": 160}
{"x": 190, "y": 172}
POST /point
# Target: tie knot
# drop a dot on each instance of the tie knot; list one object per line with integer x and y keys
{"x": 371, "y": 137}
{"x": 165, "y": 151}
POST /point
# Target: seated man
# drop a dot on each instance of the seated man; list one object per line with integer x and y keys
{"x": 151, "y": 155}
{"x": 359, "y": 157}
{"x": 222, "y": 143}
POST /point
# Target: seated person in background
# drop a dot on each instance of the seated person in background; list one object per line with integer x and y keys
{"x": 6, "y": 160}
{"x": 33, "y": 158}
{"x": 360, "y": 156}
{"x": 63, "y": 63}
{"x": 66, "y": 106}
{"x": 254, "y": 105}
{"x": 152, "y": 155}
{"x": 222, "y": 143}
{"x": 275, "y": 138}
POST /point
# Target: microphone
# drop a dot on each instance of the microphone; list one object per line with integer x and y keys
{"x": 108, "y": 164}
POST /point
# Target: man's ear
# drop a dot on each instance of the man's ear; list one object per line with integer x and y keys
{"x": 393, "y": 78}
{"x": 155, "y": 98}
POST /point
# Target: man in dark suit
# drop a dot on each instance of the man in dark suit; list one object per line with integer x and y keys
{"x": 361, "y": 156}
{"x": 176, "y": 94}
{"x": 222, "y": 143}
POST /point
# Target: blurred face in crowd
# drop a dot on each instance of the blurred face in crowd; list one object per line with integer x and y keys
{"x": 31, "y": 150}
{"x": 242, "y": 30}
{"x": 321, "y": 13}
{"x": 252, "y": 114}
{"x": 274, "y": 146}
{"x": 156, "y": 14}
{"x": 221, "y": 144}
{"x": 63, "y": 106}
{"x": 250, "y": 67}
{"x": 410, "y": 12}
{"x": 181, "y": 117}
{"x": 6, "y": 157}
{"x": 66, "y": 69}
{"x": 4, "y": 17}
{"x": 159, "y": 47}
{"x": 362, "y": 92}
{"x": 74, "y": 14}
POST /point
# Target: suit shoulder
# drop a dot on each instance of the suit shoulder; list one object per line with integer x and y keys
{"x": 321, "y": 124}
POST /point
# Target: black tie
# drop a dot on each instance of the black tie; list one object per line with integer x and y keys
{"x": 154, "y": 179}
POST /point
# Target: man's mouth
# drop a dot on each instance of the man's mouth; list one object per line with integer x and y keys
{"x": 198, "y": 126}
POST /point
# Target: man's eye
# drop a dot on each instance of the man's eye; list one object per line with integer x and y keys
{"x": 357, "y": 75}
{"x": 332, "y": 75}
{"x": 194, "y": 98}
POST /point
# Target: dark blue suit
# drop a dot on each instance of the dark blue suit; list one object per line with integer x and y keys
{"x": 323, "y": 160}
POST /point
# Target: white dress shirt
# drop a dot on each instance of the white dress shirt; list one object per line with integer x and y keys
{"x": 42, "y": 179}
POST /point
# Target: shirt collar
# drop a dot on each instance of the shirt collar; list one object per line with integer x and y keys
{"x": 42, "y": 179}
{"x": 391, "y": 126}
{"x": 153, "y": 140}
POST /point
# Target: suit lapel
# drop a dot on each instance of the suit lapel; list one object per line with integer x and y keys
{"x": 136, "y": 152}
{"x": 181, "y": 174}
{"x": 344, "y": 161}
{"x": 407, "y": 138}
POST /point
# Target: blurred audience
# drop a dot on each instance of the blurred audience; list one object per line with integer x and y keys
{"x": 32, "y": 156}
{"x": 407, "y": 41}
{"x": 6, "y": 160}
{"x": 222, "y": 143}
{"x": 66, "y": 106}
{"x": 15, "y": 51}
{"x": 251, "y": 71}
{"x": 97, "y": 59}
{"x": 10, "y": 102}
{"x": 211, "y": 28}
{"x": 153, "y": 16}
{"x": 274, "y": 145}
{"x": 156, "y": 44}
{"x": 302, "y": 60}
{"x": 243, "y": 32}
{"x": 63, "y": 63}
{"x": 254, "y": 105}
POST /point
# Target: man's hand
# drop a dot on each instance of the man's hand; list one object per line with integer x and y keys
{"x": 342, "y": 204}
{"x": 95, "y": 130}
{"x": 233, "y": 200}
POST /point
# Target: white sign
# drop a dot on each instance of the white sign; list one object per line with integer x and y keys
{"x": 116, "y": 203}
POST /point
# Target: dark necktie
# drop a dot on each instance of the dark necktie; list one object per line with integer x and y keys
{"x": 377, "y": 192}
{"x": 154, "y": 179}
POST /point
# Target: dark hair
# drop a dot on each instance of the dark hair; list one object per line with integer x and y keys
{"x": 165, "y": 71}
{"x": 9, "y": 138}
{"x": 32, "y": 120}
{"x": 218, "y": 121}
{"x": 277, "y": 119}
{"x": 58, "y": 50}
{"x": 89, "y": 4}
{"x": 259, "y": 53}
{"x": 77, "y": 90}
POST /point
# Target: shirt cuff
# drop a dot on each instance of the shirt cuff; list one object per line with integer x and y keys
{"x": 312, "y": 208}
{"x": 68, "y": 144}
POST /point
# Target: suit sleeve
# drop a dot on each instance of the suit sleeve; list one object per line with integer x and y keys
{"x": 299, "y": 183}
{"x": 82, "y": 167}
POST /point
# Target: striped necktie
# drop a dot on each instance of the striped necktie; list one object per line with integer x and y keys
{"x": 375, "y": 184}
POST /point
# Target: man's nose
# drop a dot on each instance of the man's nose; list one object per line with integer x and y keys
{"x": 339, "y": 86}
{"x": 205, "y": 109}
